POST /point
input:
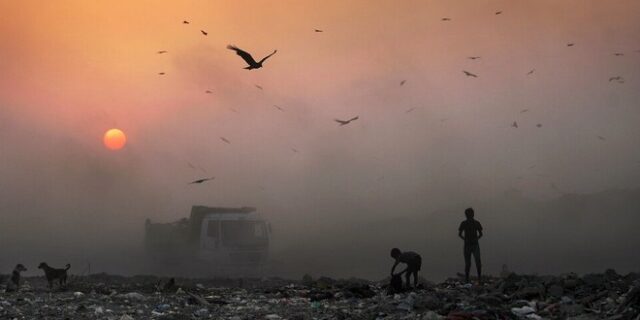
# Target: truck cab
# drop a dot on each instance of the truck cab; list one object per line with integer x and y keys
{"x": 237, "y": 238}
{"x": 218, "y": 236}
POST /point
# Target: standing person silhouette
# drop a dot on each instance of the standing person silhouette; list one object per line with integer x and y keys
{"x": 470, "y": 231}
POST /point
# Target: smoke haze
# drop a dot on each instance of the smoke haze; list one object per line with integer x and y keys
{"x": 557, "y": 198}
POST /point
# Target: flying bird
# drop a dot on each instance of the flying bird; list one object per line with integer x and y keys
{"x": 258, "y": 86}
{"x": 498, "y": 12}
{"x": 346, "y": 122}
{"x": 225, "y": 140}
{"x": 204, "y": 32}
{"x": 601, "y": 138}
{"x": 294, "y": 150}
{"x": 199, "y": 181}
{"x": 531, "y": 72}
{"x": 616, "y": 78}
{"x": 446, "y": 19}
{"x": 410, "y": 110}
{"x": 570, "y": 44}
{"x": 185, "y": 22}
{"x": 162, "y": 51}
{"x": 317, "y": 30}
{"x": 252, "y": 64}
{"x": 278, "y": 107}
{"x": 469, "y": 74}
{"x": 539, "y": 125}
{"x": 161, "y": 73}
{"x": 515, "y": 124}
{"x": 208, "y": 91}
{"x": 524, "y": 110}
{"x": 618, "y": 54}
{"x": 474, "y": 57}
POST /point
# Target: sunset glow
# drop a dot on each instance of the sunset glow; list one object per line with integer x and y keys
{"x": 114, "y": 139}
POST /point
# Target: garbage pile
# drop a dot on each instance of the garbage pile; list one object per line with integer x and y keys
{"x": 594, "y": 296}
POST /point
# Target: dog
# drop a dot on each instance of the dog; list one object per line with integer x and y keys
{"x": 14, "y": 281}
{"x": 52, "y": 274}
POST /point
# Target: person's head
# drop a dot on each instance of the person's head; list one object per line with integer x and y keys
{"x": 395, "y": 253}
{"x": 469, "y": 213}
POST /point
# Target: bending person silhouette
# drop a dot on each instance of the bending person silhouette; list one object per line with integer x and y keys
{"x": 413, "y": 262}
{"x": 470, "y": 231}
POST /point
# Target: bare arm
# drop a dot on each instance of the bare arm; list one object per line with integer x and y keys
{"x": 394, "y": 267}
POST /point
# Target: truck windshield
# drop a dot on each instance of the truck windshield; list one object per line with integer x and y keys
{"x": 244, "y": 233}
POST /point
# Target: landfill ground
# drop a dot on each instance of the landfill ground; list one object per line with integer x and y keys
{"x": 595, "y": 296}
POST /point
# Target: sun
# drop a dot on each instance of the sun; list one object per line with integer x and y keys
{"x": 114, "y": 139}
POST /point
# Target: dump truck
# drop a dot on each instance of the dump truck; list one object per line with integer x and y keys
{"x": 220, "y": 238}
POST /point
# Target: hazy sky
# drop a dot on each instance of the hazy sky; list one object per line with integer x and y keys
{"x": 70, "y": 70}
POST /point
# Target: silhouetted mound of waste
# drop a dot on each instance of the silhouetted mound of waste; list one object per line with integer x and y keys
{"x": 594, "y": 296}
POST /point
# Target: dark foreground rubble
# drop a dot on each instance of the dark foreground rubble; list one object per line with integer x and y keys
{"x": 595, "y": 296}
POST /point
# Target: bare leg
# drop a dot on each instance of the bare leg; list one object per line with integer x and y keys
{"x": 476, "y": 256}
{"x": 467, "y": 262}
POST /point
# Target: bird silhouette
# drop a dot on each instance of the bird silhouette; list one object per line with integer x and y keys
{"x": 294, "y": 150}
{"x": 204, "y": 32}
{"x": 570, "y": 44}
{"x": 162, "y": 51}
{"x": 199, "y": 181}
{"x": 498, "y": 12}
{"x": 515, "y": 124}
{"x": 278, "y": 107}
{"x": 346, "y": 122}
{"x": 469, "y": 74}
{"x": 446, "y": 19}
{"x": 618, "y": 54}
{"x": 474, "y": 57}
{"x": 208, "y": 91}
{"x": 258, "y": 86}
{"x": 539, "y": 125}
{"x": 161, "y": 73}
{"x": 616, "y": 78}
{"x": 403, "y": 82}
{"x": 531, "y": 72}
{"x": 524, "y": 110}
{"x": 410, "y": 110}
{"x": 185, "y": 22}
{"x": 225, "y": 140}
{"x": 601, "y": 138}
{"x": 252, "y": 64}
{"x": 317, "y": 30}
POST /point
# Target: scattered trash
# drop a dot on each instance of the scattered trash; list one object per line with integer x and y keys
{"x": 511, "y": 296}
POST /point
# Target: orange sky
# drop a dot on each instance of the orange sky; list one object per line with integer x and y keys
{"x": 76, "y": 68}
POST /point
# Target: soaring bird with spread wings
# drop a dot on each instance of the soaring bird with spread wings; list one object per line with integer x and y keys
{"x": 346, "y": 122}
{"x": 199, "y": 181}
{"x": 469, "y": 74}
{"x": 253, "y": 64}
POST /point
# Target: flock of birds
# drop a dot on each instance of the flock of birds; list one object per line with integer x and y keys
{"x": 252, "y": 64}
